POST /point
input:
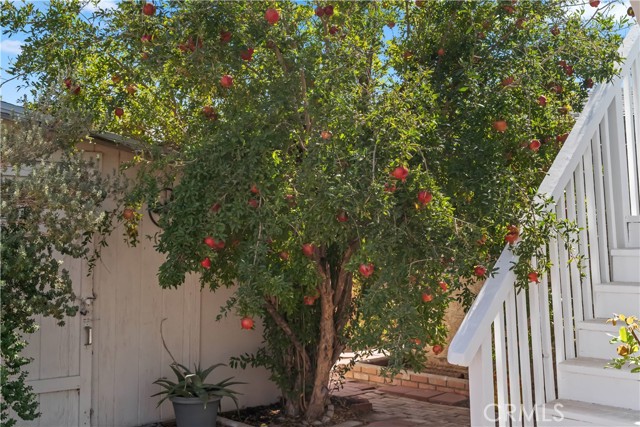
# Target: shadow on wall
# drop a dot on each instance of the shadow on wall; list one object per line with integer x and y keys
{"x": 221, "y": 340}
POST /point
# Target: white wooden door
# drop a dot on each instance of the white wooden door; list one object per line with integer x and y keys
{"x": 60, "y": 373}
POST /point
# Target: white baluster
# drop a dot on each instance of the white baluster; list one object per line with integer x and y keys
{"x": 581, "y": 206}
{"x": 536, "y": 340}
{"x": 547, "y": 348}
{"x": 525, "y": 360}
{"x": 557, "y": 302}
{"x": 574, "y": 273}
{"x": 512, "y": 359}
{"x": 600, "y": 211}
{"x": 501, "y": 368}
{"x": 565, "y": 286}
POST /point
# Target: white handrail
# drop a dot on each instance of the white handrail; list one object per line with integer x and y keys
{"x": 467, "y": 341}
{"x": 579, "y": 139}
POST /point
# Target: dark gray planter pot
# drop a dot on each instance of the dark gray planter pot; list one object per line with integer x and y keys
{"x": 191, "y": 411}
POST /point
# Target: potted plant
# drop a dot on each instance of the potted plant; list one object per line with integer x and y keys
{"x": 195, "y": 402}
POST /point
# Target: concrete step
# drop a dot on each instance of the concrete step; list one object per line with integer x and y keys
{"x": 616, "y": 297}
{"x": 565, "y": 413}
{"x": 625, "y": 265}
{"x": 593, "y": 338}
{"x": 586, "y": 380}
{"x": 633, "y": 230}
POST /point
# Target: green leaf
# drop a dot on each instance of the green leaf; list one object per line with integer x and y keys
{"x": 624, "y": 335}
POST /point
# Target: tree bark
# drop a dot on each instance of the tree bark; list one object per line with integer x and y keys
{"x": 324, "y": 362}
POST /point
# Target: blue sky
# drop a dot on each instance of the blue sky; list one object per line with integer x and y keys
{"x": 10, "y": 48}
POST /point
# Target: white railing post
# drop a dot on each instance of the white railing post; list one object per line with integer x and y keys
{"x": 481, "y": 402}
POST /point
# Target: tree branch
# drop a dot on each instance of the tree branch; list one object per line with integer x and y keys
{"x": 406, "y": 12}
{"x": 319, "y": 258}
{"x": 305, "y": 103}
{"x": 343, "y": 305}
{"x": 344, "y": 275}
{"x": 280, "y": 57}
{"x": 284, "y": 326}
{"x": 342, "y": 317}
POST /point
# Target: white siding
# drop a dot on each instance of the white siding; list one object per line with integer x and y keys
{"x": 127, "y": 349}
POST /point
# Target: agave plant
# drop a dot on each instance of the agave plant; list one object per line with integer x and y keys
{"x": 192, "y": 384}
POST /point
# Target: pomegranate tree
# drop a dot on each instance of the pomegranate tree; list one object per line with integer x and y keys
{"x": 361, "y": 160}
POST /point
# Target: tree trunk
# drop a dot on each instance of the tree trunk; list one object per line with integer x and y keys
{"x": 291, "y": 408}
{"x": 335, "y": 304}
{"x": 296, "y": 360}
{"x": 294, "y": 405}
{"x": 324, "y": 362}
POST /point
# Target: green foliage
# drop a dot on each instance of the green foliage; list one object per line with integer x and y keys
{"x": 629, "y": 348}
{"x": 540, "y": 223}
{"x": 51, "y": 208}
{"x": 192, "y": 384}
{"x": 301, "y": 149}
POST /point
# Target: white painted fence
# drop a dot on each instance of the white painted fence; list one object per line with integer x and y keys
{"x": 594, "y": 182}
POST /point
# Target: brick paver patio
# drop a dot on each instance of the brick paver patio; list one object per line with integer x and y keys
{"x": 394, "y": 406}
